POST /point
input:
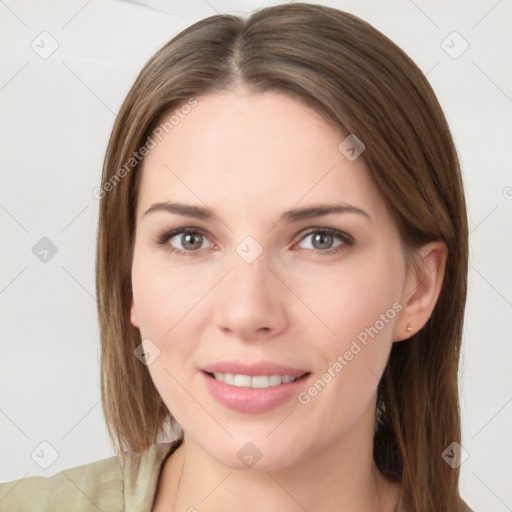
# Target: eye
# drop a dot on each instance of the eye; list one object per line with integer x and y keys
{"x": 184, "y": 240}
{"x": 189, "y": 240}
{"x": 328, "y": 241}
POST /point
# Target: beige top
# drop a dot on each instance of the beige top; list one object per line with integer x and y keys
{"x": 104, "y": 486}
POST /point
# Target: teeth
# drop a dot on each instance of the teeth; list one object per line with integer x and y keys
{"x": 256, "y": 381}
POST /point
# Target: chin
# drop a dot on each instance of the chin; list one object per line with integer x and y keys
{"x": 240, "y": 454}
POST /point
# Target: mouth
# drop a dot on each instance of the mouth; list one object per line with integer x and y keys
{"x": 255, "y": 381}
{"x": 260, "y": 392}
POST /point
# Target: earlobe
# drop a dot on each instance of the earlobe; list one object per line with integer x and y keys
{"x": 421, "y": 292}
{"x": 133, "y": 315}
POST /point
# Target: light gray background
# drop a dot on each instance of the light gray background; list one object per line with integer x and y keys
{"x": 56, "y": 117}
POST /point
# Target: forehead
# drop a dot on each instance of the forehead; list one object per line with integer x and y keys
{"x": 250, "y": 152}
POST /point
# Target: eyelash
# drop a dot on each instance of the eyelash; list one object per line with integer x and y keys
{"x": 346, "y": 239}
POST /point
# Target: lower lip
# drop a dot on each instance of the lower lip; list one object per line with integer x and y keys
{"x": 253, "y": 400}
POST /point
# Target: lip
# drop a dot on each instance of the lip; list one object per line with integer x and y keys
{"x": 252, "y": 369}
{"x": 253, "y": 400}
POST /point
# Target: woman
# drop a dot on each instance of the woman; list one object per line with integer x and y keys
{"x": 281, "y": 279}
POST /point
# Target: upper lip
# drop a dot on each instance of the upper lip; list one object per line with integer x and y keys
{"x": 252, "y": 369}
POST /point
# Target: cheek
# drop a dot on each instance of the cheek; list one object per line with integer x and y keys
{"x": 166, "y": 301}
{"x": 165, "y": 295}
{"x": 170, "y": 305}
{"x": 353, "y": 298}
{"x": 358, "y": 307}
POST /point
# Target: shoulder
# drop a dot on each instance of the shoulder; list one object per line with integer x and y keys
{"x": 107, "y": 484}
{"x": 93, "y": 486}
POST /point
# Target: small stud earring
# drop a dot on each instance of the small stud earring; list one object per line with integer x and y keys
{"x": 409, "y": 328}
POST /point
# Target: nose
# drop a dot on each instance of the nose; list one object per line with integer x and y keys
{"x": 250, "y": 301}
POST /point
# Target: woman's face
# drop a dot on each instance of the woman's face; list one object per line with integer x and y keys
{"x": 262, "y": 281}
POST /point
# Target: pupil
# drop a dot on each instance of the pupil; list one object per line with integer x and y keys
{"x": 322, "y": 238}
{"x": 188, "y": 238}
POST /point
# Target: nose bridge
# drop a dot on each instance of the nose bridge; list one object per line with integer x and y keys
{"x": 249, "y": 298}
{"x": 250, "y": 276}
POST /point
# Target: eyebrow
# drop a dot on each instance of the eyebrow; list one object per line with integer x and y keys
{"x": 294, "y": 215}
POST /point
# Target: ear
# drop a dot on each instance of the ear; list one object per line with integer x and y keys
{"x": 133, "y": 315}
{"x": 423, "y": 286}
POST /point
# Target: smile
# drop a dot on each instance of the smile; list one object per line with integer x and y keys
{"x": 255, "y": 381}
{"x": 254, "y": 393}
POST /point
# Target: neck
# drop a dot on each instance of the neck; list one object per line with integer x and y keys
{"x": 339, "y": 477}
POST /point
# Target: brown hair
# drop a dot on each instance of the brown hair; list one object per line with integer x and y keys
{"x": 360, "y": 80}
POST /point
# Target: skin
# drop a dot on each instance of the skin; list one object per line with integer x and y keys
{"x": 248, "y": 157}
